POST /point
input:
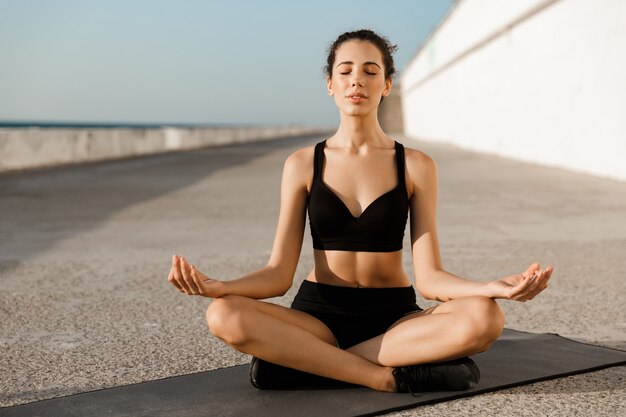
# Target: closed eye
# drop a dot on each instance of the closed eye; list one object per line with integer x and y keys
{"x": 369, "y": 73}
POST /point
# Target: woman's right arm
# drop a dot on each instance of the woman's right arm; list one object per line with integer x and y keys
{"x": 276, "y": 277}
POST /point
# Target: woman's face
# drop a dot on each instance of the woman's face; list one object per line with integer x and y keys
{"x": 358, "y": 68}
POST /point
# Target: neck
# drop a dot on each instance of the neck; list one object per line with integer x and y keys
{"x": 357, "y": 131}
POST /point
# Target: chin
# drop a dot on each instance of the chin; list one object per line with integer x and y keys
{"x": 361, "y": 111}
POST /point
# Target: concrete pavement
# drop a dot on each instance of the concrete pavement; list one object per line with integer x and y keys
{"x": 85, "y": 252}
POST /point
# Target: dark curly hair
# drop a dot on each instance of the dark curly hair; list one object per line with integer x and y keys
{"x": 385, "y": 47}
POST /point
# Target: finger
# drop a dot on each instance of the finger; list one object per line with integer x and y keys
{"x": 537, "y": 279}
{"x": 543, "y": 283}
{"x": 172, "y": 280}
{"x": 185, "y": 275}
{"x": 193, "y": 278}
{"x": 549, "y": 271}
{"x": 527, "y": 293}
{"x": 186, "y": 271}
{"x": 520, "y": 289}
{"x": 540, "y": 285}
{"x": 197, "y": 280}
{"x": 179, "y": 277}
{"x": 534, "y": 267}
{"x": 530, "y": 295}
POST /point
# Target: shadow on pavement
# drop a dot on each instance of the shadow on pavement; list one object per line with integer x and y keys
{"x": 40, "y": 207}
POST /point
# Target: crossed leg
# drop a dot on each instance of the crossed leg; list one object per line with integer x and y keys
{"x": 297, "y": 340}
{"x": 450, "y": 330}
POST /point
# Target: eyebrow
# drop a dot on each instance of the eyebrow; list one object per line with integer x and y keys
{"x": 350, "y": 62}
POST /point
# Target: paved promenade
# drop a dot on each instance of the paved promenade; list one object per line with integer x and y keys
{"x": 85, "y": 252}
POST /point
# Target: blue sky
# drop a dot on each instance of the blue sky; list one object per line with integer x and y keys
{"x": 187, "y": 61}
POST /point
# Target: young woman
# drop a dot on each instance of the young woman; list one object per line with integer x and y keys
{"x": 355, "y": 317}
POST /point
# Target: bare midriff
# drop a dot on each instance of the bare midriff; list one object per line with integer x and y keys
{"x": 359, "y": 269}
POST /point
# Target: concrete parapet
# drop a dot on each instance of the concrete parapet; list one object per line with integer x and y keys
{"x": 25, "y": 148}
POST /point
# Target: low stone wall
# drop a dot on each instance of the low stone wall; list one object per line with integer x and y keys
{"x": 25, "y": 148}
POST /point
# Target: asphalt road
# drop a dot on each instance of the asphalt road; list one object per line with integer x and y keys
{"x": 85, "y": 252}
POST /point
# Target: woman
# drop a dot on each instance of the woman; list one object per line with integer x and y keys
{"x": 354, "y": 318}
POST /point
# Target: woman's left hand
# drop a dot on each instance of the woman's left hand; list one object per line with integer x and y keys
{"x": 521, "y": 287}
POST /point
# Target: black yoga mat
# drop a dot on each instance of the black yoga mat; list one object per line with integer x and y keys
{"x": 516, "y": 358}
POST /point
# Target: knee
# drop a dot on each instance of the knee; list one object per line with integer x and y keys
{"x": 224, "y": 318}
{"x": 484, "y": 323}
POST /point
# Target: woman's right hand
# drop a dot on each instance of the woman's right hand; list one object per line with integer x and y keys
{"x": 187, "y": 279}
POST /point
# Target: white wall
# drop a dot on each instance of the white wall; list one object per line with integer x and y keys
{"x": 540, "y": 81}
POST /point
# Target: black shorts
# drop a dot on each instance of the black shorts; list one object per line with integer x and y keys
{"x": 354, "y": 315}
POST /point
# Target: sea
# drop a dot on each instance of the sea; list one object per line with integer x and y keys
{"x": 16, "y": 124}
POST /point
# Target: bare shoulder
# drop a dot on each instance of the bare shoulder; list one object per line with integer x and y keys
{"x": 299, "y": 165}
{"x": 421, "y": 167}
{"x": 302, "y": 155}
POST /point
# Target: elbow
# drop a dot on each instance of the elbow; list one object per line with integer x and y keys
{"x": 433, "y": 296}
{"x": 422, "y": 285}
{"x": 286, "y": 282}
{"x": 282, "y": 288}
{"x": 283, "y": 280}
{"x": 437, "y": 298}
{"x": 283, "y": 291}
{"x": 427, "y": 296}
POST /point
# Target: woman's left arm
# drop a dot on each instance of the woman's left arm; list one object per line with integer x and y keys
{"x": 431, "y": 280}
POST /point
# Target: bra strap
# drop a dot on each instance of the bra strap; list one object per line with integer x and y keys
{"x": 318, "y": 159}
{"x": 400, "y": 163}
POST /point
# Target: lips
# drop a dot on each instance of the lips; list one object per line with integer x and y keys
{"x": 357, "y": 95}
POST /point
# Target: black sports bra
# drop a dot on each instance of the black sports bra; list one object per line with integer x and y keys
{"x": 379, "y": 228}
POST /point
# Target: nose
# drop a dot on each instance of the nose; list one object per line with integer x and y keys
{"x": 357, "y": 80}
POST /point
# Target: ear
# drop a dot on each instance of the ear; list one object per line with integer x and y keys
{"x": 329, "y": 85}
{"x": 388, "y": 84}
